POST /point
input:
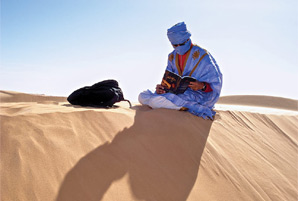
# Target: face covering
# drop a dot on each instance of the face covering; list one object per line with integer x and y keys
{"x": 181, "y": 50}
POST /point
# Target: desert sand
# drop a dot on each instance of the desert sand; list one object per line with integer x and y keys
{"x": 53, "y": 151}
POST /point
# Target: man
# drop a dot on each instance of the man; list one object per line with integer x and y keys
{"x": 188, "y": 59}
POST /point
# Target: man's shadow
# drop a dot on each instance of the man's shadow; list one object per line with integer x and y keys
{"x": 160, "y": 154}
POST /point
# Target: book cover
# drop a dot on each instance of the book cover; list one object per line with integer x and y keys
{"x": 174, "y": 83}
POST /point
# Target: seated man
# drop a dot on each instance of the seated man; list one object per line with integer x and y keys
{"x": 188, "y": 59}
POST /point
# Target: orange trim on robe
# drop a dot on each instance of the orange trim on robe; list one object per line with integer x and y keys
{"x": 182, "y": 62}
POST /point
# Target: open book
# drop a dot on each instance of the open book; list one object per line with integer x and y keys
{"x": 174, "y": 83}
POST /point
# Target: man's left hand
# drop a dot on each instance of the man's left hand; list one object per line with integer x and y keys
{"x": 196, "y": 85}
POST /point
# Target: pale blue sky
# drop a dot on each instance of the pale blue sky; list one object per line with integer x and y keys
{"x": 53, "y": 47}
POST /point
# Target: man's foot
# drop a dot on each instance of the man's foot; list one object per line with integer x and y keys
{"x": 183, "y": 109}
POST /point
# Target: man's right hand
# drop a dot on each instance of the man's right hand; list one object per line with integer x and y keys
{"x": 160, "y": 89}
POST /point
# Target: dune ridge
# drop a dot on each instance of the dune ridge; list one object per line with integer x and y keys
{"x": 51, "y": 150}
{"x": 12, "y": 96}
{"x": 260, "y": 101}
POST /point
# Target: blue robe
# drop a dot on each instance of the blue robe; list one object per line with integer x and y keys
{"x": 202, "y": 66}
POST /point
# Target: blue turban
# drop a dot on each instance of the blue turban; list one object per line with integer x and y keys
{"x": 178, "y": 33}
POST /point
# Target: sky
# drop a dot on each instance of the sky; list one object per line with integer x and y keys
{"x": 54, "y": 47}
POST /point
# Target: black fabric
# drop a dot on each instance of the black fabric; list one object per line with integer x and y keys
{"x": 101, "y": 94}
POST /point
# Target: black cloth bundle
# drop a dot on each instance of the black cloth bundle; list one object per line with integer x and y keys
{"x": 102, "y": 94}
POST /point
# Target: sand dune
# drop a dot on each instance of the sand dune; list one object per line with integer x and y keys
{"x": 51, "y": 150}
{"x": 12, "y": 96}
{"x": 260, "y": 101}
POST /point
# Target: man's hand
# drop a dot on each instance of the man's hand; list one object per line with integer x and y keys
{"x": 196, "y": 85}
{"x": 160, "y": 89}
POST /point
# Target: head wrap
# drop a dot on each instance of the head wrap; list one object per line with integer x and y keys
{"x": 178, "y": 33}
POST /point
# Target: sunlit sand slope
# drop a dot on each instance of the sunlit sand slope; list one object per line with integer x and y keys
{"x": 51, "y": 150}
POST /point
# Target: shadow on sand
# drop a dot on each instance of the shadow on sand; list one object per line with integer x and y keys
{"x": 160, "y": 153}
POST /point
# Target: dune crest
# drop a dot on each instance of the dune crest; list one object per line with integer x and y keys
{"x": 51, "y": 150}
{"x": 12, "y": 96}
{"x": 260, "y": 101}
